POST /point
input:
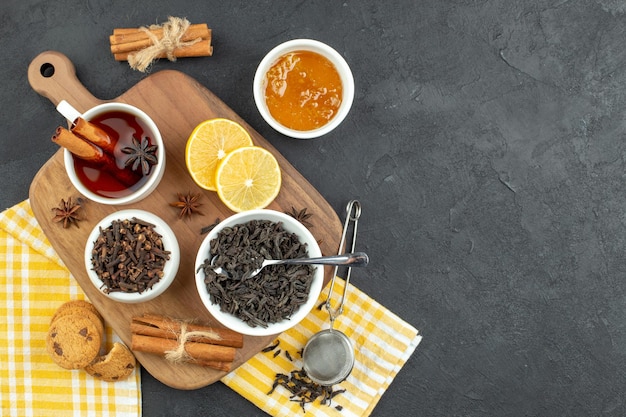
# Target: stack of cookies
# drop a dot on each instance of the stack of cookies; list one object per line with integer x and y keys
{"x": 75, "y": 338}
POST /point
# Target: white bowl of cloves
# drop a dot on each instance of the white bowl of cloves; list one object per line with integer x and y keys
{"x": 132, "y": 256}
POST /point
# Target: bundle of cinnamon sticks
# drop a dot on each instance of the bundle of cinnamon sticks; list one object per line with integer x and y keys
{"x": 179, "y": 341}
{"x": 195, "y": 41}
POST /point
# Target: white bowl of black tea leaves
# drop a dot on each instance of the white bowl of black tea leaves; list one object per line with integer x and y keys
{"x": 276, "y": 299}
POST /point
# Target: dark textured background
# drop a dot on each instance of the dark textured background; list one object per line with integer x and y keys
{"x": 486, "y": 144}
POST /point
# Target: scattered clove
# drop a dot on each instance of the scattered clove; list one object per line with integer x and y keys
{"x": 305, "y": 391}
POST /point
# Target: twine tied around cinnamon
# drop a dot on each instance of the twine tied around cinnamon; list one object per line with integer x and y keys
{"x": 180, "y": 354}
{"x": 173, "y": 30}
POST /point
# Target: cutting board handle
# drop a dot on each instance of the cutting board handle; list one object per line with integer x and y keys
{"x": 53, "y": 75}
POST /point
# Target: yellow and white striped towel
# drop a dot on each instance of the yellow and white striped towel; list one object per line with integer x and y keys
{"x": 383, "y": 343}
{"x": 33, "y": 283}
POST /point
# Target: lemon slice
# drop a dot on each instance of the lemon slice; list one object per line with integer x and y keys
{"x": 248, "y": 178}
{"x": 209, "y": 143}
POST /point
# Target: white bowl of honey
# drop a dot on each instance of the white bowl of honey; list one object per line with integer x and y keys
{"x": 303, "y": 88}
{"x": 113, "y": 153}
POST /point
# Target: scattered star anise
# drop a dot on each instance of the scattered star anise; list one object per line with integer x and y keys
{"x": 67, "y": 212}
{"x": 141, "y": 154}
{"x": 188, "y": 204}
{"x": 301, "y": 216}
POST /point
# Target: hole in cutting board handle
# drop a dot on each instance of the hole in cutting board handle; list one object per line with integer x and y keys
{"x": 47, "y": 70}
{"x": 52, "y": 75}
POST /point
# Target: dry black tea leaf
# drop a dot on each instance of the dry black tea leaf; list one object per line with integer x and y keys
{"x": 207, "y": 229}
{"x": 271, "y": 347}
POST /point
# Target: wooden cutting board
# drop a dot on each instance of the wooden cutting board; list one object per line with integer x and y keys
{"x": 176, "y": 103}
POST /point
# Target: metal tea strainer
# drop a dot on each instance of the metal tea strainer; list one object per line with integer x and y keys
{"x": 328, "y": 356}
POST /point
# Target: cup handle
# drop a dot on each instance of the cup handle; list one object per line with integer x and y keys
{"x": 68, "y": 111}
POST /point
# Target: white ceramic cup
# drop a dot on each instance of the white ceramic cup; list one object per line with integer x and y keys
{"x": 155, "y": 175}
{"x": 260, "y": 83}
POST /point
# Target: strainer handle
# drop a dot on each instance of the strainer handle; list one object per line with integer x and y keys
{"x": 353, "y": 212}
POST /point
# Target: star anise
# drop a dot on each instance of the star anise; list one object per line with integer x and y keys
{"x": 67, "y": 212}
{"x": 301, "y": 216}
{"x": 141, "y": 154}
{"x": 188, "y": 204}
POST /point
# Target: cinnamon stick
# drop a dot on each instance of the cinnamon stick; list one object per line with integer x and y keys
{"x": 88, "y": 151}
{"x": 80, "y": 148}
{"x": 199, "y": 352}
{"x": 140, "y": 39}
{"x": 93, "y": 134}
{"x": 164, "y": 327}
{"x": 220, "y": 366}
{"x": 198, "y": 49}
{"x": 125, "y": 35}
{"x": 124, "y": 31}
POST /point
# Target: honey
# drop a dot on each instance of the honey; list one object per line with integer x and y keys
{"x": 303, "y": 90}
